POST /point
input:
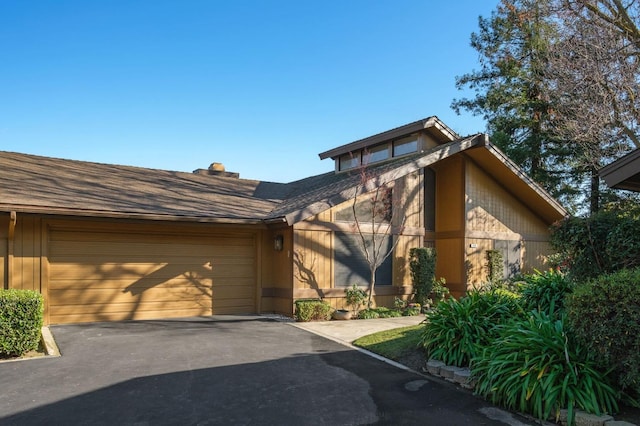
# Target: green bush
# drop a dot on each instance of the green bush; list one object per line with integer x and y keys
{"x": 21, "y": 318}
{"x": 368, "y": 314}
{"x": 604, "y": 316}
{"x": 411, "y": 310}
{"x": 422, "y": 264}
{"x": 495, "y": 266}
{"x": 456, "y": 331}
{"x": 545, "y": 292}
{"x": 312, "y": 310}
{"x": 602, "y": 243}
{"x": 355, "y": 297}
{"x": 532, "y": 368}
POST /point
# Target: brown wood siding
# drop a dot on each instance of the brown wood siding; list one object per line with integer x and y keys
{"x": 4, "y": 249}
{"x": 27, "y": 260}
{"x": 495, "y": 214}
{"x": 534, "y": 255}
{"x": 116, "y": 272}
{"x": 277, "y": 272}
{"x": 314, "y": 238}
{"x": 312, "y": 263}
{"x": 450, "y": 224}
{"x": 491, "y": 208}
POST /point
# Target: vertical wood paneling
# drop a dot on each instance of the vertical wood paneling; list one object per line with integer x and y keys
{"x": 312, "y": 259}
{"x": 491, "y": 208}
{"x": 477, "y": 261}
{"x": 27, "y": 253}
{"x": 450, "y": 195}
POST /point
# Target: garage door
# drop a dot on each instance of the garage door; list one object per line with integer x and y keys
{"x": 107, "y": 276}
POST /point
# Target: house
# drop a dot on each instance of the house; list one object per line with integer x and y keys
{"x": 624, "y": 173}
{"x": 108, "y": 242}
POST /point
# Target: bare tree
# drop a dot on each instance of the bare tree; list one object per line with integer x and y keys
{"x": 377, "y": 216}
{"x": 594, "y": 75}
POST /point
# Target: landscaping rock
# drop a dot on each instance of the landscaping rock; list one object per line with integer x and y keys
{"x": 448, "y": 371}
{"x": 434, "y": 366}
{"x": 586, "y": 419}
{"x": 619, "y": 423}
{"x": 463, "y": 378}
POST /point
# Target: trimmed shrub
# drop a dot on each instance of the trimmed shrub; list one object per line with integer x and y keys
{"x": 545, "y": 292}
{"x": 312, "y": 310}
{"x": 604, "y": 316}
{"x": 532, "y": 368}
{"x": 21, "y": 318}
{"x": 422, "y": 264}
{"x": 368, "y": 314}
{"x": 355, "y": 298}
{"x": 457, "y": 331}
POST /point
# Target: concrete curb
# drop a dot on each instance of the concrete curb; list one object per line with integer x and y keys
{"x": 50, "y": 346}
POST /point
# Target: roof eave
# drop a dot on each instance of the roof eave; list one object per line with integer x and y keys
{"x": 426, "y": 160}
{"x": 445, "y": 134}
{"x": 58, "y": 211}
{"x": 624, "y": 172}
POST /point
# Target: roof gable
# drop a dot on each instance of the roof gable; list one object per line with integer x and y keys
{"x": 432, "y": 125}
{"x": 317, "y": 194}
{"x": 623, "y": 173}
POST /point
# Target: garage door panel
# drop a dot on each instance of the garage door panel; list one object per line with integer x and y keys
{"x": 129, "y": 315}
{"x": 145, "y": 250}
{"x": 128, "y": 307}
{"x": 84, "y": 235}
{"x": 126, "y": 273}
{"x": 233, "y": 292}
{"x": 104, "y": 277}
{"x": 115, "y": 295}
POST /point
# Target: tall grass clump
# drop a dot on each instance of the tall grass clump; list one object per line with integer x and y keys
{"x": 545, "y": 292}
{"x": 531, "y": 367}
{"x": 457, "y": 330}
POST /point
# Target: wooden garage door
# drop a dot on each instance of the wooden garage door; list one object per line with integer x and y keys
{"x": 107, "y": 276}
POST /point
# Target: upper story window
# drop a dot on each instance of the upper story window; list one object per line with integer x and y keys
{"x": 377, "y": 153}
{"x": 349, "y": 161}
{"x": 405, "y": 146}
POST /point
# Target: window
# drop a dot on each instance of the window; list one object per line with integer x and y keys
{"x": 429, "y": 199}
{"x": 350, "y": 265}
{"x": 373, "y": 207}
{"x": 349, "y": 161}
{"x": 375, "y": 154}
{"x": 405, "y": 146}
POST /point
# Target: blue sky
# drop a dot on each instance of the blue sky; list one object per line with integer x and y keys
{"x": 261, "y": 86}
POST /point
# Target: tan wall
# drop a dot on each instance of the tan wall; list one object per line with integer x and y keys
{"x": 313, "y": 248}
{"x": 83, "y": 267}
{"x": 492, "y": 213}
{"x": 450, "y": 224}
{"x": 490, "y": 208}
{"x": 27, "y": 252}
{"x": 4, "y": 226}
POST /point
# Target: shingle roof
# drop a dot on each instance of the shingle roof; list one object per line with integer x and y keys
{"x": 35, "y": 184}
{"x": 32, "y": 183}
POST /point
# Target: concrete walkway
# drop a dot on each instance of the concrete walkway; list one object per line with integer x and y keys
{"x": 346, "y": 332}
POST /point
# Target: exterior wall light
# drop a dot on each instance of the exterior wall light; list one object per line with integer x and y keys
{"x": 278, "y": 243}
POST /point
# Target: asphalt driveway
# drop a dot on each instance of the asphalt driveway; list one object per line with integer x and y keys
{"x": 222, "y": 370}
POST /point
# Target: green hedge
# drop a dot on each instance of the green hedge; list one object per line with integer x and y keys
{"x": 602, "y": 243}
{"x": 21, "y": 318}
{"x": 604, "y": 316}
{"x": 312, "y": 310}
